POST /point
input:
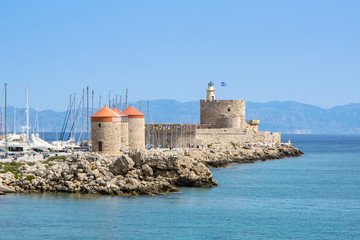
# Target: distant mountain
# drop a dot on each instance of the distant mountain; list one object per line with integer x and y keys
{"x": 294, "y": 117}
{"x": 285, "y": 117}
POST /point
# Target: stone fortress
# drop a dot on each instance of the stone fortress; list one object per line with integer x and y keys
{"x": 221, "y": 121}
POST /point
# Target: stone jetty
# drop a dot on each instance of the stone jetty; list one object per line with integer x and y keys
{"x": 139, "y": 172}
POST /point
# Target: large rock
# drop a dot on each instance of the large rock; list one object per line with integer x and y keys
{"x": 6, "y": 190}
{"x": 147, "y": 170}
{"x": 121, "y": 165}
{"x": 138, "y": 156}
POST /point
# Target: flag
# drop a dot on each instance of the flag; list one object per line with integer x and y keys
{"x": 223, "y": 84}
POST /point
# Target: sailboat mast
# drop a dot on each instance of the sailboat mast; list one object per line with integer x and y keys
{"x": 73, "y": 126}
{"x": 82, "y": 117}
{"x": 14, "y": 120}
{"x": 37, "y": 121}
{"x": 92, "y": 102}
{"x": 120, "y": 103}
{"x": 27, "y": 116}
{"x": 87, "y": 112}
{"x": 6, "y": 150}
{"x": 100, "y": 103}
{"x": 109, "y": 98}
{"x": 126, "y": 99}
{"x": 148, "y": 121}
{"x": 70, "y": 113}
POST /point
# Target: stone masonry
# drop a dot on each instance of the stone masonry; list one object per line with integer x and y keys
{"x": 109, "y": 134}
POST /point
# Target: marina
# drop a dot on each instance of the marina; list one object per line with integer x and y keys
{"x": 29, "y": 142}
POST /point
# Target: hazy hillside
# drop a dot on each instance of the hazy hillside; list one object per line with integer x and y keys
{"x": 285, "y": 117}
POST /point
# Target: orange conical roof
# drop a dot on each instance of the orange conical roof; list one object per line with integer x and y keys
{"x": 105, "y": 115}
{"x": 116, "y": 110}
{"x": 133, "y": 113}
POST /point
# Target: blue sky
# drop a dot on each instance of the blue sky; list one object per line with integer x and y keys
{"x": 306, "y": 51}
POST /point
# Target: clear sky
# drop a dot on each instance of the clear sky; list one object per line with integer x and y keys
{"x": 306, "y": 51}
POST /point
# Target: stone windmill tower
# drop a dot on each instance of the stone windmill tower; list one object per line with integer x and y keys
{"x": 124, "y": 128}
{"x": 136, "y": 128}
{"x": 106, "y": 131}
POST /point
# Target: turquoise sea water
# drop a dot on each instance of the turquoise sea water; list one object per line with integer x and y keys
{"x": 316, "y": 196}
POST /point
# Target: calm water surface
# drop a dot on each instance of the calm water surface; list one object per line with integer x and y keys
{"x": 316, "y": 196}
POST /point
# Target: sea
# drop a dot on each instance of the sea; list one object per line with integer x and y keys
{"x": 315, "y": 196}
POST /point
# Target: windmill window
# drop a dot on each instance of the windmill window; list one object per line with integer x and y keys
{"x": 100, "y": 146}
{"x": 99, "y": 125}
{"x": 228, "y": 109}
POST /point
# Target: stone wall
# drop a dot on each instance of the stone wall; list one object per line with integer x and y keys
{"x": 226, "y": 136}
{"x": 136, "y": 133}
{"x": 223, "y": 113}
{"x": 109, "y": 133}
{"x": 125, "y": 135}
{"x": 171, "y": 135}
{"x": 185, "y": 135}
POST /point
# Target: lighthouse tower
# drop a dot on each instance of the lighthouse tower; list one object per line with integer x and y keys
{"x": 106, "y": 131}
{"x": 210, "y": 96}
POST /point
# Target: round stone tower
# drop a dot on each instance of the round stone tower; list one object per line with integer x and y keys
{"x": 210, "y": 92}
{"x": 106, "y": 131}
{"x": 222, "y": 113}
{"x": 136, "y": 128}
{"x": 124, "y": 129}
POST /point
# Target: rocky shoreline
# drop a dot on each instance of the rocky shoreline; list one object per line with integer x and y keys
{"x": 138, "y": 173}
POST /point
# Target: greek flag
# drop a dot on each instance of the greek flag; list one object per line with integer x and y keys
{"x": 223, "y": 84}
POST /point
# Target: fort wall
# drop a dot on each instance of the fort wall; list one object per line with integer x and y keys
{"x": 171, "y": 135}
{"x": 227, "y": 136}
{"x": 185, "y": 135}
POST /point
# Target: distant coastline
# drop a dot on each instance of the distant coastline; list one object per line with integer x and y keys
{"x": 285, "y": 117}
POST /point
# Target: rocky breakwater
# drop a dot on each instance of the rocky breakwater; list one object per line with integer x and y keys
{"x": 219, "y": 155}
{"x": 136, "y": 174}
{"x": 139, "y": 173}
